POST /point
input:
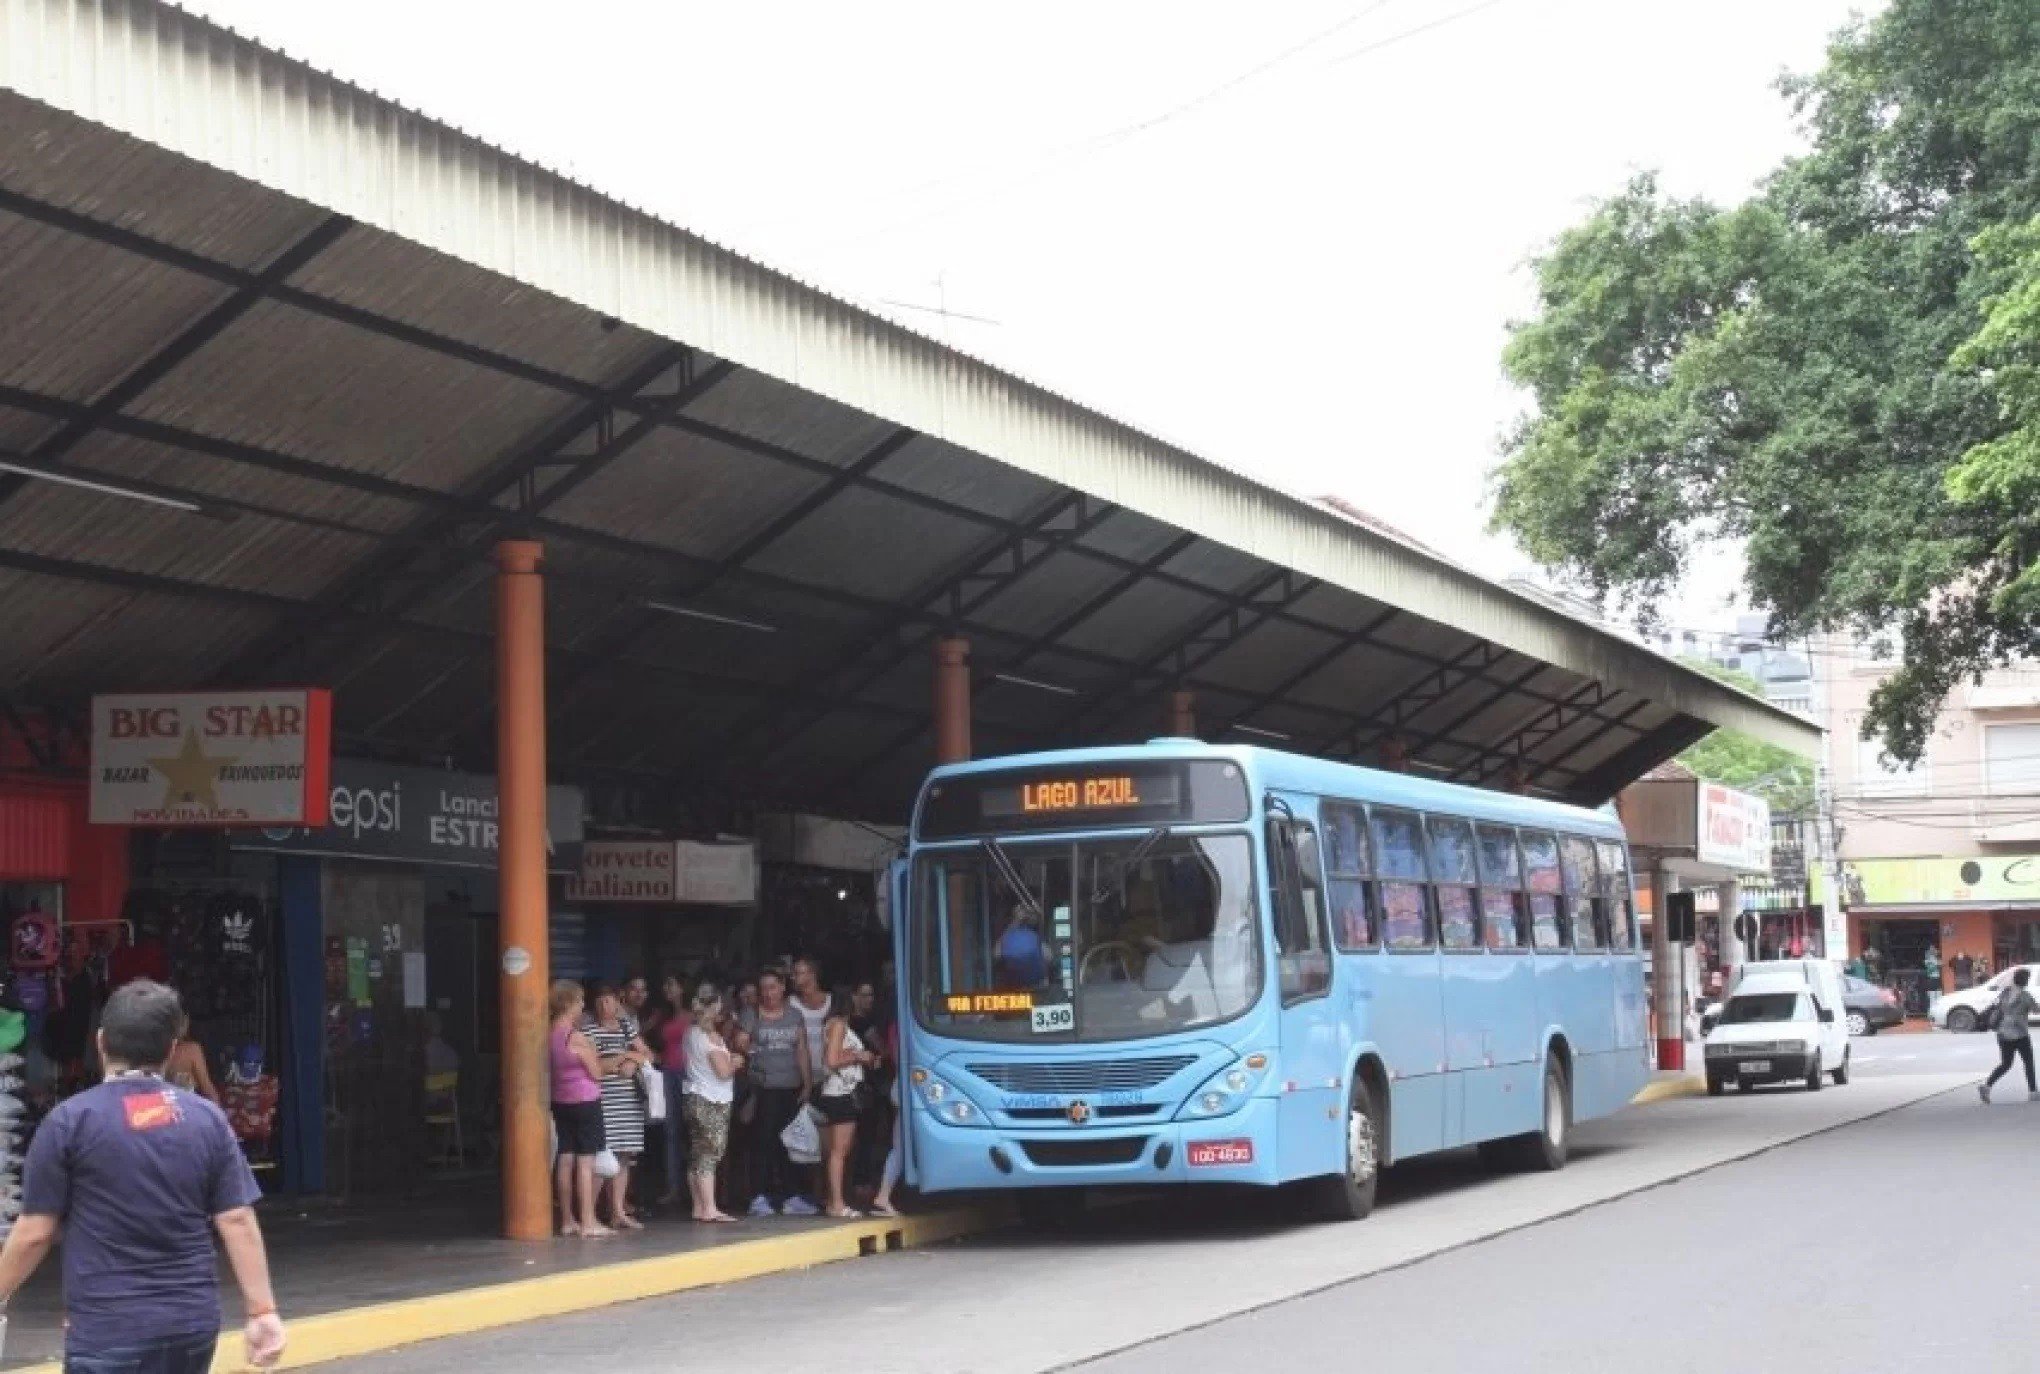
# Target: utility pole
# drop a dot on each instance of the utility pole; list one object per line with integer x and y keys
{"x": 1834, "y": 928}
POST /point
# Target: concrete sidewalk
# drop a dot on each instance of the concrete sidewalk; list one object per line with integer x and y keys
{"x": 361, "y": 1278}
{"x": 357, "y": 1279}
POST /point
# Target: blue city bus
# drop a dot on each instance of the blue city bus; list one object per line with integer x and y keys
{"x": 1182, "y": 963}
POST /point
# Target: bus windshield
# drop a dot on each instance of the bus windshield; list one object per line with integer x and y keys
{"x": 1085, "y": 940}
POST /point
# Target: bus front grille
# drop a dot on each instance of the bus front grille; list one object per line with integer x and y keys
{"x": 1070, "y": 1154}
{"x": 1081, "y": 1075}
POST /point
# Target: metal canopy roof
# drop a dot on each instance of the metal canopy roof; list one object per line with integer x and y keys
{"x": 367, "y": 347}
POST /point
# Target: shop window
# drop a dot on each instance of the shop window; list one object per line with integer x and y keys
{"x": 1349, "y": 874}
{"x": 2011, "y": 757}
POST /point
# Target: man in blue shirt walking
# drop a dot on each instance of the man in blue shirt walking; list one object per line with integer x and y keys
{"x": 138, "y": 1175}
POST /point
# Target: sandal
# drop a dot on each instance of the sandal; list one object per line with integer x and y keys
{"x": 847, "y": 1214}
{"x": 880, "y": 1209}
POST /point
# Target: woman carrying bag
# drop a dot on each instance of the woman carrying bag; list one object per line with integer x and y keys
{"x": 2015, "y": 1037}
{"x": 841, "y": 1100}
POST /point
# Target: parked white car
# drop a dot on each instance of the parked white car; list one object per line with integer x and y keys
{"x": 1963, "y": 1011}
{"x": 1775, "y": 1028}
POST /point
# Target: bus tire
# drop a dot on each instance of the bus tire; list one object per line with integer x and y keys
{"x": 1544, "y": 1149}
{"x": 1349, "y": 1194}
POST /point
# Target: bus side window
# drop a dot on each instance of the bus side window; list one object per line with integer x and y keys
{"x": 1582, "y": 888}
{"x": 1503, "y": 914}
{"x": 1615, "y": 895}
{"x": 1349, "y": 873}
{"x": 1404, "y": 879}
{"x": 1540, "y": 874}
{"x": 1453, "y": 876}
{"x": 1302, "y": 949}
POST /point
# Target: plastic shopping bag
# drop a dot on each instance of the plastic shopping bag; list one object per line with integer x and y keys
{"x": 653, "y": 1085}
{"x": 802, "y": 1139}
{"x": 607, "y": 1165}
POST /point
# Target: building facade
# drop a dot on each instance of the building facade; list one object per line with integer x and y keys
{"x": 1939, "y": 861}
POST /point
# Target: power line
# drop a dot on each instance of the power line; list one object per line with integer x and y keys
{"x": 1437, "y": 23}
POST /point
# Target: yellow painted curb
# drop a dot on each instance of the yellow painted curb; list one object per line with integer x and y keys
{"x": 385, "y": 1326}
{"x": 1665, "y": 1089}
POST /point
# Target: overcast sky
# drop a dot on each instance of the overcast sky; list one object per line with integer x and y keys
{"x": 1287, "y": 236}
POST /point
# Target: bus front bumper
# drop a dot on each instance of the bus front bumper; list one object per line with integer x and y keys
{"x": 1240, "y": 1148}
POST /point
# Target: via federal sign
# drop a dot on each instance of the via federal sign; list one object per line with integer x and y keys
{"x": 421, "y": 815}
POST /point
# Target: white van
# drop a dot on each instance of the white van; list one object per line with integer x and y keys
{"x": 1822, "y": 977}
{"x": 1776, "y": 1028}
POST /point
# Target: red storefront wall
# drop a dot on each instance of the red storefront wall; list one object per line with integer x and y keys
{"x": 45, "y": 835}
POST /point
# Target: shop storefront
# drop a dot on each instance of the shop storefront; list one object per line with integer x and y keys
{"x": 649, "y": 908}
{"x": 389, "y": 920}
{"x": 1923, "y": 926}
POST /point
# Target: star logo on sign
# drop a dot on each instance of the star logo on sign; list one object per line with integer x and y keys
{"x": 190, "y": 777}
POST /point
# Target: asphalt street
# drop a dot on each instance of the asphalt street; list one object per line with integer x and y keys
{"x": 1794, "y": 1225}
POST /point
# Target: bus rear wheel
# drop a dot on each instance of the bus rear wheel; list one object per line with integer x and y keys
{"x": 1545, "y": 1148}
{"x": 1349, "y": 1194}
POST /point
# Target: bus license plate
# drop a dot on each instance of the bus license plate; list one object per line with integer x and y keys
{"x": 1755, "y": 1066}
{"x": 1206, "y": 1153}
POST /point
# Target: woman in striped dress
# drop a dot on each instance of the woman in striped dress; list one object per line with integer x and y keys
{"x": 623, "y": 1052}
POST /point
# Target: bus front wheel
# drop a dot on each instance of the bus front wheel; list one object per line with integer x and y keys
{"x": 1349, "y": 1194}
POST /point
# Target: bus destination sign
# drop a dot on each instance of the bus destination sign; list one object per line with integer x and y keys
{"x": 1062, "y": 796}
{"x": 1110, "y": 793}
{"x": 988, "y": 1003}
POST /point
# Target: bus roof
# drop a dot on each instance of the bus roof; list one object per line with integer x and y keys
{"x": 1324, "y": 777}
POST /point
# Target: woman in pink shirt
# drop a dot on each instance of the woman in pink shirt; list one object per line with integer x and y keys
{"x": 577, "y": 1112}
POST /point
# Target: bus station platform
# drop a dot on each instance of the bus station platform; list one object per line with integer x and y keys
{"x": 356, "y": 1278}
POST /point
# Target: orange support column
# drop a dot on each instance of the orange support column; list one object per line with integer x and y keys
{"x": 520, "y": 801}
{"x": 1183, "y": 715}
{"x": 952, "y": 700}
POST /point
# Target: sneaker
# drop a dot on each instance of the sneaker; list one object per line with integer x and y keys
{"x": 800, "y": 1207}
{"x": 1983, "y": 1091}
{"x": 761, "y": 1206}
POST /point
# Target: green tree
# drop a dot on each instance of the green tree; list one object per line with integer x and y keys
{"x": 1804, "y": 372}
{"x": 1747, "y": 763}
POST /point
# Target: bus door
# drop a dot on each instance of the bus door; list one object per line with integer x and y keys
{"x": 1313, "y": 1051}
{"x": 897, "y": 887}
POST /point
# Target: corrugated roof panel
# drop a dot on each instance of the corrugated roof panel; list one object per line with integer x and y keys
{"x": 1056, "y": 588}
{"x": 282, "y": 379}
{"x": 1149, "y": 616}
{"x": 379, "y": 272}
{"x": 1263, "y": 655}
{"x": 1222, "y": 569}
{"x": 755, "y": 405}
{"x": 110, "y": 177}
{"x": 683, "y": 492}
{"x": 933, "y": 468}
{"x": 22, "y": 430}
{"x": 76, "y": 318}
{"x": 1129, "y": 534}
{"x": 870, "y": 544}
{"x": 250, "y": 552}
{"x": 102, "y": 639}
{"x": 119, "y": 456}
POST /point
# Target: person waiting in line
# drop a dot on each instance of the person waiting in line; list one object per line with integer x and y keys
{"x": 868, "y": 1022}
{"x": 780, "y": 1084}
{"x": 675, "y": 1020}
{"x": 2014, "y": 1036}
{"x": 812, "y": 1001}
{"x": 187, "y": 1068}
{"x": 614, "y": 1033}
{"x": 841, "y": 1099}
{"x": 889, "y": 1172}
{"x": 711, "y": 1071}
{"x": 577, "y": 1111}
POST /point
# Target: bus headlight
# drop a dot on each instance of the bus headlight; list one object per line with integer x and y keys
{"x": 1226, "y": 1091}
{"x": 947, "y": 1104}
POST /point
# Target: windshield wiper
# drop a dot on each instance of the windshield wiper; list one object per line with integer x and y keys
{"x": 1002, "y": 864}
{"x": 1126, "y": 865}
